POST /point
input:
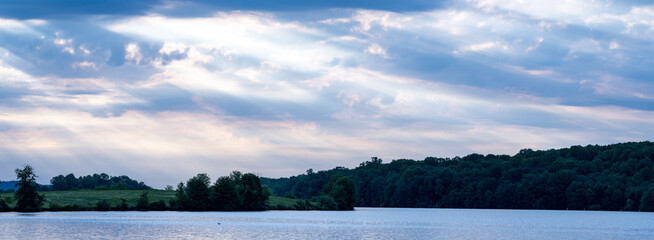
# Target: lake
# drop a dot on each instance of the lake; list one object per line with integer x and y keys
{"x": 364, "y": 223}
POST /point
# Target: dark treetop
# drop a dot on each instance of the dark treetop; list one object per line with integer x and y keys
{"x": 613, "y": 177}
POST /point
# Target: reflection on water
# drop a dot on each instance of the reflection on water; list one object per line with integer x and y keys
{"x": 364, "y": 223}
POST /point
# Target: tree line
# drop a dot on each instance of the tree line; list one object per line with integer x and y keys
{"x": 236, "y": 192}
{"x": 96, "y": 181}
{"x": 612, "y": 177}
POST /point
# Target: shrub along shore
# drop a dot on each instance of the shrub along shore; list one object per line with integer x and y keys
{"x": 111, "y": 200}
{"x": 236, "y": 192}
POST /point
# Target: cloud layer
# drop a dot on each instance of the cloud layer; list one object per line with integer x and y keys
{"x": 164, "y": 90}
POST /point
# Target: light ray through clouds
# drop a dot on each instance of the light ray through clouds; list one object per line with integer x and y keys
{"x": 171, "y": 89}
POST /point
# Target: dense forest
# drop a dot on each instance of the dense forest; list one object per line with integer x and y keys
{"x": 612, "y": 177}
{"x": 96, "y": 181}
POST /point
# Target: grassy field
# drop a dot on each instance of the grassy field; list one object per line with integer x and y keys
{"x": 89, "y": 198}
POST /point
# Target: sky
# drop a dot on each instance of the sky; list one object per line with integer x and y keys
{"x": 161, "y": 90}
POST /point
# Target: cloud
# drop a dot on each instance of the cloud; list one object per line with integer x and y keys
{"x": 377, "y": 50}
{"x": 277, "y": 92}
{"x": 31, "y": 9}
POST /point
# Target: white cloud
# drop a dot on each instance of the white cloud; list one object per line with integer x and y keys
{"x": 20, "y": 27}
{"x": 483, "y": 47}
{"x": 250, "y": 34}
{"x": 534, "y": 47}
{"x": 268, "y": 63}
{"x": 62, "y": 42}
{"x": 84, "y": 50}
{"x": 344, "y": 39}
{"x": 133, "y": 53}
{"x": 616, "y": 86}
{"x": 377, "y": 50}
{"x": 614, "y": 45}
{"x": 533, "y": 72}
{"x": 85, "y": 64}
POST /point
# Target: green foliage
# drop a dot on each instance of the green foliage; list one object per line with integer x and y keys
{"x": 102, "y": 205}
{"x": 613, "y": 177}
{"x": 267, "y": 191}
{"x": 143, "y": 203}
{"x": 281, "y": 203}
{"x": 235, "y": 192}
{"x": 325, "y": 202}
{"x": 304, "y": 205}
{"x": 254, "y": 199}
{"x": 224, "y": 194}
{"x": 123, "y": 205}
{"x": 28, "y": 200}
{"x": 4, "y": 207}
{"x": 96, "y": 181}
{"x": 158, "y": 206}
{"x": 647, "y": 201}
{"x": 342, "y": 190}
{"x": 197, "y": 190}
{"x": 88, "y": 199}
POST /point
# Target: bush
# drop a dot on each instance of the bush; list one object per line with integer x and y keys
{"x": 158, "y": 206}
{"x": 342, "y": 190}
{"x": 122, "y": 206}
{"x": 53, "y": 207}
{"x": 102, "y": 205}
{"x": 4, "y": 207}
{"x": 143, "y": 202}
{"x": 325, "y": 202}
{"x": 74, "y": 207}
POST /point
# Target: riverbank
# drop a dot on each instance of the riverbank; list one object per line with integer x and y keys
{"x": 117, "y": 200}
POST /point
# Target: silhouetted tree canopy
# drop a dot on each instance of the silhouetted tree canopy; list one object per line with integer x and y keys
{"x": 237, "y": 192}
{"x": 96, "y": 181}
{"x": 612, "y": 177}
{"x": 342, "y": 190}
{"x": 28, "y": 200}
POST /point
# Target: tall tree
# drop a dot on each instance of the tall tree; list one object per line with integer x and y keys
{"x": 224, "y": 194}
{"x": 28, "y": 200}
{"x": 197, "y": 190}
{"x": 252, "y": 193}
{"x": 342, "y": 189}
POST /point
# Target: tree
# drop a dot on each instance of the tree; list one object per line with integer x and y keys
{"x": 181, "y": 200}
{"x": 197, "y": 190}
{"x": 28, "y": 200}
{"x": 123, "y": 205}
{"x": 342, "y": 190}
{"x": 647, "y": 202}
{"x": 71, "y": 181}
{"x": 143, "y": 203}
{"x": 224, "y": 194}
{"x": 4, "y": 207}
{"x": 59, "y": 183}
{"x": 252, "y": 193}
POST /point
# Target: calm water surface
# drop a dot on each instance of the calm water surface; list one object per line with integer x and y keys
{"x": 364, "y": 223}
